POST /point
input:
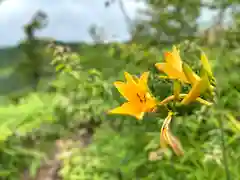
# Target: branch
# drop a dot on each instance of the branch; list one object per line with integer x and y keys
{"x": 128, "y": 20}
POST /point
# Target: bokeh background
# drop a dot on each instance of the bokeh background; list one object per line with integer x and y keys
{"x": 58, "y": 60}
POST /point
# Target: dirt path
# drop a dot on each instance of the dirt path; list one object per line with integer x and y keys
{"x": 49, "y": 169}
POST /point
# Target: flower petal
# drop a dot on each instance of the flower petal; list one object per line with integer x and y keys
{"x": 175, "y": 144}
{"x": 171, "y": 72}
{"x": 173, "y": 58}
{"x": 128, "y": 109}
{"x": 143, "y": 81}
{"x": 128, "y": 91}
{"x": 198, "y": 88}
{"x": 163, "y": 134}
{"x": 129, "y": 78}
{"x": 166, "y": 137}
{"x": 191, "y": 76}
{"x": 150, "y": 103}
{"x": 163, "y": 142}
{"x": 206, "y": 64}
{"x": 177, "y": 63}
{"x": 144, "y": 78}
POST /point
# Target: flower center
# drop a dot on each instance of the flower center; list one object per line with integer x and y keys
{"x": 142, "y": 99}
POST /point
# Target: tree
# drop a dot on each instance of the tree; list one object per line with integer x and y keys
{"x": 169, "y": 21}
{"x": 33, "y": 63}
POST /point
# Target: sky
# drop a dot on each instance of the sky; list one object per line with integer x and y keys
{"x": 69, "y": 20}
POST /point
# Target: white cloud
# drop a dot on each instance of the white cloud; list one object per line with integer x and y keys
{"x": 68, "y": 19}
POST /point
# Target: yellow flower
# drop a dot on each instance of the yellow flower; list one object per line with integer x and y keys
{"x": 206, "y": 68}
{"x": 173, "y": 67}
{"x": 205, "y": 64}
{"x": 191, "y": 76}
{"x": 199, "y": 87}
{"x": 166, "y": 137}
{"x": 137, "y": 93}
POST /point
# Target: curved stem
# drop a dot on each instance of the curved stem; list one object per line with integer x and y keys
{"x": 181, "y": 96}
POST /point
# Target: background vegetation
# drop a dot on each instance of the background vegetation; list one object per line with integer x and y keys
{"x": 54, "y": 98}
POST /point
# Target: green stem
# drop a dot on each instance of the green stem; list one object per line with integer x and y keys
{"x": 219, "y": 106}
{"x": 224, "y": 151}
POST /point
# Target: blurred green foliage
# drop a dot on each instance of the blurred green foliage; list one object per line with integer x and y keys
{"x": 73, "y": 89}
